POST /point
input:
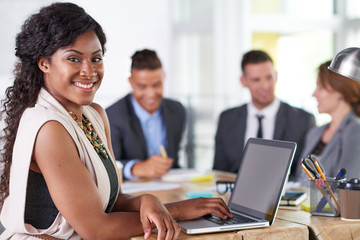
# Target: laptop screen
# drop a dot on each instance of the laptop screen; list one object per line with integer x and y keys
{"x": 261, "y": 177}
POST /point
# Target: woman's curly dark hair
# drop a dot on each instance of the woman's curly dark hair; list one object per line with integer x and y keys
{"x": 53, "y": 27}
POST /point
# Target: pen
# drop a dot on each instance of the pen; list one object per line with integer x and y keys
{"x": 310, "y": 166}
{"x": 311, "y": 177}
{"x": 163, "y": 151}
{"x": 326, "y": 183}
{"x": 319, "y": 169}
{"x": 339, "y": 177}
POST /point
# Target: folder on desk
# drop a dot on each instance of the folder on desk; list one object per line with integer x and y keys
{"x": 257, "y": 192}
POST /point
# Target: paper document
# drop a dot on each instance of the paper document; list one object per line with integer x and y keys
{"x": 133, "y": 187}
{"x": 183, "y": 174}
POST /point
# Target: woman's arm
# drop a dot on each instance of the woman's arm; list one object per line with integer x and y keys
{"x": 182, "y": 210}
{"x": 152, "y": 211}
{"x": 73, "y": 190}
{"x": 76, "y": 196}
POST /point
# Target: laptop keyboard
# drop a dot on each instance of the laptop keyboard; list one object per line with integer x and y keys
{"x": 236, "y": 219}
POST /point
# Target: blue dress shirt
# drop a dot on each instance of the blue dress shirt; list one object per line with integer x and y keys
{"x": 154, "y": 130}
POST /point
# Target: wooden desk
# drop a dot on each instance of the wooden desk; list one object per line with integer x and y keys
{"x": 323, "y": 227}
{"x": 289, "y": 224}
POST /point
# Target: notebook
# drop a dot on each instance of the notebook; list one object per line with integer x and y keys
{"x": 293, "y": 198}
{"x": 255, "y": 198}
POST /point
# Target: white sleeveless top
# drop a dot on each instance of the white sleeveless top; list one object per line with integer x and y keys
{"x": 46, "y": 109}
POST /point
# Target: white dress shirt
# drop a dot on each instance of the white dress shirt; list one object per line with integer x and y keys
{"x": 268, "y": 122}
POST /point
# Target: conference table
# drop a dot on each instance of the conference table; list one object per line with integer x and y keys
{"x": 289, "y": 223}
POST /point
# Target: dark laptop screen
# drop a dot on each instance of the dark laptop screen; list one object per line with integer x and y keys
{"x": 261, "y": 177}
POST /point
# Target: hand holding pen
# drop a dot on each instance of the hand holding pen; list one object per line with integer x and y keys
{"x": 153, "y": 167}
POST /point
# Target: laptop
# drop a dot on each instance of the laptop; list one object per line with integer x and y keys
{"x": 256, "y": 195}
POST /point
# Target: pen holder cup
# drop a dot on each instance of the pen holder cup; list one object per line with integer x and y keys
{"x": 324, "y": 197}
{"x": 349, "y": 193}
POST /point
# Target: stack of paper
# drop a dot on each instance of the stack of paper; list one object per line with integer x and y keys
{"x": 132, "y": 187}
{"x": 186, "y": 174}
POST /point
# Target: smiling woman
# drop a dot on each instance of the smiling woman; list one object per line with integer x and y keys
{"x": 75, "y": 72}
{"x": 60, "y": 179}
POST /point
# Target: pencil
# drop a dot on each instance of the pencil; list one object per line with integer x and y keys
{"x": 312, "y": 178}
{"x": 307, "y": 171}
{"x": 163, "y": 151}
{"x": 326, "y": 183}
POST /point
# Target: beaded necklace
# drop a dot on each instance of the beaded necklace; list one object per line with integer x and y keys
{"x": 90, "y": 133}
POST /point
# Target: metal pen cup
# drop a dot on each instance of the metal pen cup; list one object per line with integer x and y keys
{"x": 322, "y": 202}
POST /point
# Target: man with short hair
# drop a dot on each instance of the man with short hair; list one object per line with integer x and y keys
{"x": 264, "y": 117}
{"x": 143, "y": 121}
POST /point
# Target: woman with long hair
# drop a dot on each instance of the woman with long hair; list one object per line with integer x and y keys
{"x": 60, "y": 180}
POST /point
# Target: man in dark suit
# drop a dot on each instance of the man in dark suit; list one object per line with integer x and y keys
{"x": 143, "y": 121}
{"x": 264, "y": 117}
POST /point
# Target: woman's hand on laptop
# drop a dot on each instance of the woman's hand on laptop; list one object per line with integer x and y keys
{"x": 153, "y": 213}
{"x": 197, "y": 207}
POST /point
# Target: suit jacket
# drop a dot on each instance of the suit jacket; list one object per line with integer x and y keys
{"x": 291, "y": 125}
{"x": 127, "y": 137}
{"x": 342, "y": 151}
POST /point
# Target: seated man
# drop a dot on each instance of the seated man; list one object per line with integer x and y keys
{"x": 264, "y": 117}
{"x": 143, "y": 121}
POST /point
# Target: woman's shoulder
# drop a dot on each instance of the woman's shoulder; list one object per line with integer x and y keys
{"x": 38, "y": 118}
{"x": 353, "y": 125}
{"x": 96, "y": 109}
{"x": 99, "y": 109}
{"x": 317, "y": 130}
{"x": 40, "y": 114}
{"x": 97, "y": 113}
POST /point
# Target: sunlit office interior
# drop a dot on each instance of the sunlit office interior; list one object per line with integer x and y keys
{"x": 200, "y": 43}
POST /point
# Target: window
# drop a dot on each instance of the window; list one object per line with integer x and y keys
{"x": 211, "y": 36}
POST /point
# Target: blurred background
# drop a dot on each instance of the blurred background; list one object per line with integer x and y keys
{"x": 200, "y": 43}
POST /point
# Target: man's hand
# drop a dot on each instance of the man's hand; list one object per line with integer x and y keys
{"x": 153, "y": 167}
